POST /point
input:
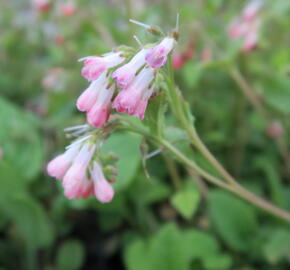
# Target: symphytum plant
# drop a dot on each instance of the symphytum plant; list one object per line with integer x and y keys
{"x": 140, "y": 83}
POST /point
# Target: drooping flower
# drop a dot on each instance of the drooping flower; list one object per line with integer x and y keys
{"x": 94, "y": 66}
{"x": 68, "y": 9}
{"x": 87, "y": 99}
{"x": 75, "y": 178}
{"x": 251, "y": 9}
{"x": 177, "y": 60}
{"x": 246, "y": 26}
{"x": 41, "y": 5}
{"x": 100, "y": 111}
{"x": 60, "y": 164}
{"x": 133, "y": 100}
{"x": 157, "y": 56}
{"x": 125, "y": 74}
{"x": 103, "y": 190}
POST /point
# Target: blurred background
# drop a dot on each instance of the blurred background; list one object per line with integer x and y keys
{"x": 240, "y": 96}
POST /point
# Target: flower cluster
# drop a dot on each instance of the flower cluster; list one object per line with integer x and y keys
{"x": 81, "y": 174}
{"x": 247, "y": 25}
{"x": 78, "y": 167}
{"x": 135, "y": 79}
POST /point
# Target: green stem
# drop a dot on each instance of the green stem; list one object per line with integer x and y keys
{"x": 174, "y": 175}
{"x": 232, "y": 185}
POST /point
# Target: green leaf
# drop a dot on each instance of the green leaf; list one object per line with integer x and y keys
{"x": 234, "y": 220}
{"x": 185, "y": 201}
{"x": 70, "y": 255}
{"x": 30, "y": 220}
{"x": 163, "y": 252}
{"x": 173, "y": 249}
{"x": 19, "y": 138}
{"x": 126, "y": 147}
{"x": 217, "y": 262}
{"x": 278, "y": 246}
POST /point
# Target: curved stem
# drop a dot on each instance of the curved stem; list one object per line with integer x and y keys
{"x": 231, "y": 185}
{"x": 236, "y": 189}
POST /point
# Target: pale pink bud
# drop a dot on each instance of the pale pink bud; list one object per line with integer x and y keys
{"x": 275, "y": 129}
{"x": 59, "y": 165}
{"x": 251, "y": 9}
{"x": 238, "y": 28}
{"x": 68, "y": 9}
{"x": 75, "y": 177}
{"x": 104, "y": 191}
{"x": 177, "y": 60}
{"x": 250, "y": 42}
{"x": 41, "y": 5}
{"x": 99, "y": 114}
{"x": 94, "y": 66}
{"x": 89, "y": 97}
{"x": 133, "y": 100}
{"x": 157, "y": 56}
{"x": 125, "y": 74}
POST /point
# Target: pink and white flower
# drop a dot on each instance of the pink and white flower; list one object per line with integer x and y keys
{"x": 99, "y": 113}
{"x": 41, "y": 5}
{"x": 89, "y": 97}
{"x": 125, "y": 74}
{"x": 94, "y": 66}
{"x": 246, "y": 27}
{"x": 157, "y": 56}
{"x": 60, "y": 164}
{"x": 68, "y": 9}
{"x": 75, "y": 179}
{"x": 251, "y": 9}
{"x": 103, "y": 190}
{"x": 133, "y": 100}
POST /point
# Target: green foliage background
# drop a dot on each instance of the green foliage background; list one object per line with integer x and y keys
{"x": 151, "y": 224}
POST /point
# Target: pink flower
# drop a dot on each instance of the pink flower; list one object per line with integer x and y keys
{"x": 41, "y": 5}
{"x": 275, "y": 129}
{"x": 68, "y": 9}
{"x": 250, "y": 42}
{"x": 94, "y": 66}
{"x": 238, "y": 28}
{"x": 75, "y": 179}
{"x": 247, "y": 26}
{"x": 125, "y": 74}
{"x": 134, "y": 99}
{"x": 102, "y": 188}
{"x": 251, "y": 10}
{"x": 177, "y": 60}
{"x": 59, "y": 165}
{"x": 87, "y": 99}
{"x": 100, "y": 111}
{"x": 157, "y": 56}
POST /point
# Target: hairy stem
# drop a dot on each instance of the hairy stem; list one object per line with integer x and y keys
{"x": 230, "y": 183}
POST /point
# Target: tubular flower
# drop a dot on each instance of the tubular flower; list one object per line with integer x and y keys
{"x": 125, "y": 74}
{"x": 60, "y": 164}
{"x": 94, "y": 66}
{"x": 81, "y": 177}
{"x": 100, "y": 111}
{"x": 41, "y": 6}
{"x": 102, "y": 189}
{"x": 251, "y": 9}
{"x": 247, "y": 25}
{"x": 68, "y": 9}
{"x": 157, "y": 56}
{"x": 87, "y": 99}
{"x": 133, "y": 100}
